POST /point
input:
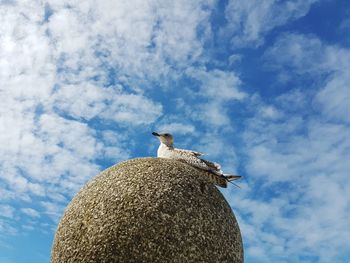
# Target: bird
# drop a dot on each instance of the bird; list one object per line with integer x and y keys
{"x": 212, "y": 170}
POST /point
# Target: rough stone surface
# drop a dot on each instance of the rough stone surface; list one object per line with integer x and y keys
{"x": 148, "y": 210}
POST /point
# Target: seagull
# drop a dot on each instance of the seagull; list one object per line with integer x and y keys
{"x": 213, "y": 170}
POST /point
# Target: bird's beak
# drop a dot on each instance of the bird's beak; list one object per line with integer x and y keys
{"x": 155, "y": 134}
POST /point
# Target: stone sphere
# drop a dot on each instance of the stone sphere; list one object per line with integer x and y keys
{"x": 148, "y": 210}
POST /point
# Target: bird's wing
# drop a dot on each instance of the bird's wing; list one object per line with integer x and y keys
{"x": 192, "y": 159}
{"x": 194, "y": 153}
{"x": 213, "y": 167}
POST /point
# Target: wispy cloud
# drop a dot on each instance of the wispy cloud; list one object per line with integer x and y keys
{"x": 30, "y": 212}
{"x": 65, "y": 67}
{"x": 178, "y": 128}
{"x": 296, "y": 55}
{"x": 7, "y": 211}
{"x": 249, "y": 21}
{"x": 217, "y": 88}
{"x": 297, "y": 147}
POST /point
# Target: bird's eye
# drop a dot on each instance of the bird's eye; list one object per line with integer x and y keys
{"x": 167, "y": 134}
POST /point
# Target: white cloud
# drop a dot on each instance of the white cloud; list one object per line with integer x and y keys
{"x": 270, "y": 112}
{"x": 90, "y": 101}
{"x": 218, "y": 88}
{"x": 343, "y": 31}
{"x": 326, "y": 65}
{"x": 295, "y": 203}
{"x": 178, "y": 128}
{"x": 7, "y": 229}
{"x": 6, "y": 194}
{"x": 64, "y": 66}
{"x": 151, "y": 34}
{"x": 335, "y": 96}
{"x": 218, "y": 84}
{"x": 45, "y": 150}
{"x": 7, "y": 211}
{"x": 290, "y": 51}
{"x": 53, "y": 210}
{"x": 249, "y": 21}
{"x": 30, "y": 212}
{"x": 235, "y": 58}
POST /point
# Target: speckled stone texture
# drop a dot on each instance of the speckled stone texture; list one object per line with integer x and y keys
{"x": 148, "y": 210}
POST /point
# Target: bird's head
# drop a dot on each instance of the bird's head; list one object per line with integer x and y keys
{"x": 165, "y": 138}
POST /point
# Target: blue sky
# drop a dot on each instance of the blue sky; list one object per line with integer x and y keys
{"x": 260, "y": 86}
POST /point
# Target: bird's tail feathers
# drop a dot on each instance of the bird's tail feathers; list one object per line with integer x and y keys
{"x": 230, "y": 177}
{"x": 222, "y": 180}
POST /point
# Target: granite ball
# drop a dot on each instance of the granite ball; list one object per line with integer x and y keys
{"x": 148, "y": 210}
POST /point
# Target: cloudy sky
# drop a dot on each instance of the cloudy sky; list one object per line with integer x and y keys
{"x": 260, "y": 86}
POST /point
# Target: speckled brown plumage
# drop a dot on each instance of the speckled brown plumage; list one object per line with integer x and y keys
{"x": 148, "y": 210}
